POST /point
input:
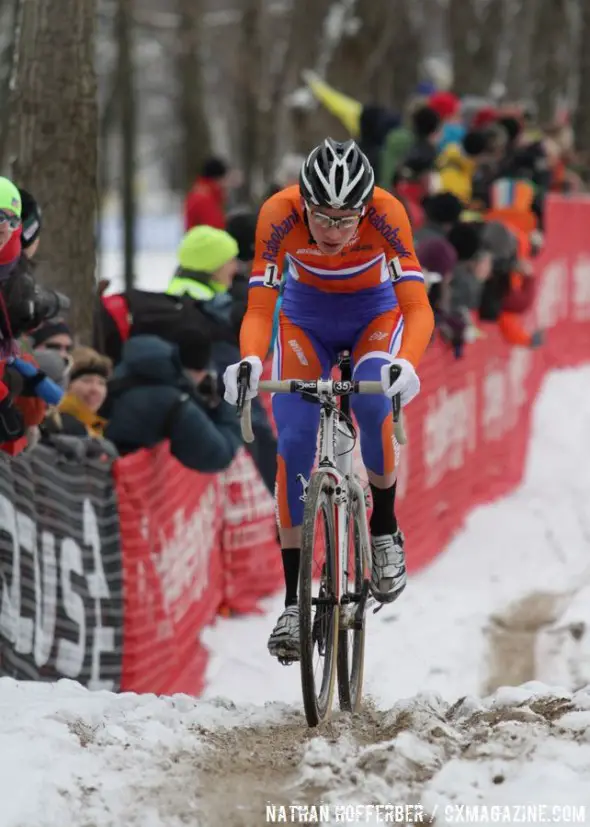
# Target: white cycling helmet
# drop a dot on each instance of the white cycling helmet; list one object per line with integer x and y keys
{"x": 338, "y": 175}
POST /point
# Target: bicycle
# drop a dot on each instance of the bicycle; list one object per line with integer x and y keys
{"x": 334, "y": 621}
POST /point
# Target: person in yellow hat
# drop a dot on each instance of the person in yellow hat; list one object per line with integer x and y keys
{"x": 207, "y": 263}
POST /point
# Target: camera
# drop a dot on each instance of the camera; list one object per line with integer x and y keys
{"x": 47, "y": 304}
{"x": 25, "y": 304}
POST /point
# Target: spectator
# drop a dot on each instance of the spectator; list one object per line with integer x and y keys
{"x": 55, "y": 365}
{"x": 448, "y": 108}
{"x": 10, "y": 227}
{"x": 228, "y": 311}
{"x": 376, "y": 122}
{"x": 442, "y": 211}
{"x": 22, "y": 409}
{"x": 77, "y": 414}
{"x": 164, "y": 391}
{"x": 487, "y": 170}
{"x": 421, "y": 156}
{"x": 53, "y": 335}
{"x": 410, "y": 149}
{"x": 205, "y": 203}
{"x": 438, "y": 258}
{"x": 207, "y": 263}
{"x": 458, "y": 162}
{"x": 241, "y": 225}
{"x": 473, "y": 269}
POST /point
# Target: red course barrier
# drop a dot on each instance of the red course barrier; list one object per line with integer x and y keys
{"x": 194, "y": 545}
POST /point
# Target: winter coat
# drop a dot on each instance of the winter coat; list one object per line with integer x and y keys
{"x": 152, "y": 399}
{"x": 205, "y": 205}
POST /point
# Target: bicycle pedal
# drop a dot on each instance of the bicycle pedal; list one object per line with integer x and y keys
{"x": 287, "y": 661}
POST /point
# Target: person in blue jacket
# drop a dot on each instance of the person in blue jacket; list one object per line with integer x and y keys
{"x": 165, "y": 390}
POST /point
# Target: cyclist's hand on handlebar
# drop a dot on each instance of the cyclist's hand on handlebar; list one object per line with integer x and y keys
{"x": 230, "y": 379}
{"x": 407, "y": 383}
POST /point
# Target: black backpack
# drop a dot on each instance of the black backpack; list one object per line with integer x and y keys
{"x": 159, "y": 314}
{"x": 156, "y": 314}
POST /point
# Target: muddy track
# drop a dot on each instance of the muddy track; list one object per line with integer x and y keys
{"x": 249, "y": 767}
{"x": 246, "y": 768}
{"x": 364, "y": 756}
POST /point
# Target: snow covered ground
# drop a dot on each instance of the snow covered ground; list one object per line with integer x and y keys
{"x": 477, "y": 684}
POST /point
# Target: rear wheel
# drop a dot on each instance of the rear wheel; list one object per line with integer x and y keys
{"x": 318, "y": 615}
{"x": 351, "y": 639}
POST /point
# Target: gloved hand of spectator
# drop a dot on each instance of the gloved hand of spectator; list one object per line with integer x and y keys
{"x": 34, "y": 382}
{"x": 12, "y": 423}
{"x": 537, "y": 339}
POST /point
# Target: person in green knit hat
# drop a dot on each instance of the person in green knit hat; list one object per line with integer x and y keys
{"x": 207, "y": 264}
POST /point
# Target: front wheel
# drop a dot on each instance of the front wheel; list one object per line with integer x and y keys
{"x": 318, "y": 616}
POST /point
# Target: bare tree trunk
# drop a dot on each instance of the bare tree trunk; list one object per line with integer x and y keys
{"x": 10, "y": 61}
{"x": 195, "y": 141}
{"x": 520, "y": 44}
{"x": 307, "y": 32}
{"x": 475, "y": 43}
{"x": 56, "y": 124}
{"x": 249, "y": 80}
{"x": 550, "y": 66}
{"x": 582, "y": 112}
{"x": 127, "y": 107}
{"x": 393, "y": 68}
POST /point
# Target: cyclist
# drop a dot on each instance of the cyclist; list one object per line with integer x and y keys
{"x": 353, "y": 282}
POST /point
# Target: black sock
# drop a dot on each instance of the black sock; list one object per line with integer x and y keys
{"x": 383, "y": 517}
{"x": 291, "y": 557}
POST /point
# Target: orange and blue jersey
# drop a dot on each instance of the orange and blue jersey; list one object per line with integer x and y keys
{"x": 370, "y": 299}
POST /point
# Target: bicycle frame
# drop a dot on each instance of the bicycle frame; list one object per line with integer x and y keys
{"x": 333, "y": 461}
{"x": 335, "y": 458}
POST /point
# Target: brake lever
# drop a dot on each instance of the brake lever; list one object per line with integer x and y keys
{"x": 396, "y": 401}
{"x": 243, "y": 384}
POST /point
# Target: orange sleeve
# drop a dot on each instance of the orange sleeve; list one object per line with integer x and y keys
{"x": 276, "y": 219}
{"x": 408, "y": 283}
{"x": 512, "y": 330}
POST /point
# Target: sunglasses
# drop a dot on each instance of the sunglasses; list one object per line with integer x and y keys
{"x": 12, "y": 220}
{"x": 326, "y": 222}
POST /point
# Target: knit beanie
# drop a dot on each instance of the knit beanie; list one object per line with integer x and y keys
{"x": 437, "y": 255}
{"x": 445, "y": 104}
{"x": 87, "y": 362}
{"x": 465, "y": 238}
{"x": 10, "y": 197}
{"x": 242, "y": 227}
{"x": 442, "y": 208}
{"x": 205, "y": 249}
{"x": 194, "y": 349}
{"x": 48, "y": 330}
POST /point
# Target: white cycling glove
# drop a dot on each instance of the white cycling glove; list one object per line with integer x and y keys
{"x": 230, "y": 379}
{"x": 407, "y": 384}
